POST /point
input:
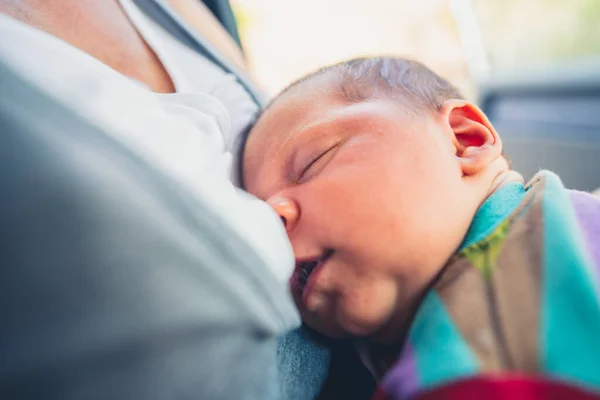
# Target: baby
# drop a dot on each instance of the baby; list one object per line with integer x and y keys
{"x": 413, "y": 235}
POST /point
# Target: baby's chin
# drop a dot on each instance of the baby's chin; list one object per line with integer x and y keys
{"x": 384, "y": 329}
{"x": 348, "y": 327}
{"x": 323, "y": 325}
{"x": 350, "y": 317}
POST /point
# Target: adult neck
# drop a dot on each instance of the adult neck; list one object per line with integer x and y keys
{"x": 99, "y": 28}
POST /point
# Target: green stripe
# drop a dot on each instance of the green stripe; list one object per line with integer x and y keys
{"x": 484, "y": 254}
{"x": 440, "y": 351}
{"x": 570, "y": 320}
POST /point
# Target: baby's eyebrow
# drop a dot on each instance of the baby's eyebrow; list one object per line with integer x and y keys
{"x": 324, "y": 123}
{"x": 316, "y": 130}
{"x": 341, "y": 117}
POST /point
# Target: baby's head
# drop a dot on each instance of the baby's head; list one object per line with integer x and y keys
{"x": 376, "y": 167}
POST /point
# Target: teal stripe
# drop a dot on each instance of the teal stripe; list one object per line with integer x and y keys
{"x": 440, "y": 351}
{"x": 570, "y": 314}
{"x": 494, "y": 211}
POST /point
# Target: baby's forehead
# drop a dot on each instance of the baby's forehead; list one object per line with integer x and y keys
{"x": 289, "y": 113}
{"x": 291, "y": 122}
{"x": 315, "y": 108}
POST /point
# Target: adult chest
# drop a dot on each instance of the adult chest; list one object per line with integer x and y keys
{"x": 99, "y": 28}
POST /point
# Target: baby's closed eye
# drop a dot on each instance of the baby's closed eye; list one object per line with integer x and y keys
{"x": 313, "y": 164}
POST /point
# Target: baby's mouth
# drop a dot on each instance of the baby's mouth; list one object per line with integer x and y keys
{"x": 304, "y": 269}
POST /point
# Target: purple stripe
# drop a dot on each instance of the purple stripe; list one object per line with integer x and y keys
{"x": 587, "y": 210}
{"x": 402, "y": 381}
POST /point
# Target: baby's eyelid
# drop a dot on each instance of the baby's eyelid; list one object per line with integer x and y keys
{"x": 313, "y": 161}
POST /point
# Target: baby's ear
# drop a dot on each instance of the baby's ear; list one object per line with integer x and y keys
{"x": 474, "y": 138}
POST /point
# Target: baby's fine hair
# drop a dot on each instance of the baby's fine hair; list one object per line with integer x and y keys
{"x": 403, "y": 80}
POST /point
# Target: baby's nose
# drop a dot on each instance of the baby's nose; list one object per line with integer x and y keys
{"x": 287, "y": 209}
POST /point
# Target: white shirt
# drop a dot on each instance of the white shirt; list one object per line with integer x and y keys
{"x": 184, "y": 134}
{"x": 192, "y": 73}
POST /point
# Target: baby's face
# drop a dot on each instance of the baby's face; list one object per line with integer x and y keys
{"x": 370, "y": 197}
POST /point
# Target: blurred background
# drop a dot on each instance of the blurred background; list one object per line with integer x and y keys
{"x": 533, "y": 65}
{"x": 462, "y": 40}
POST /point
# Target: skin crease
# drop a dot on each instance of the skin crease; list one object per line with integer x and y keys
{"x": 392, "y": 199}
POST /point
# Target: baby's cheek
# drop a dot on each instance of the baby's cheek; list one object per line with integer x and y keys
{"x": 367, "y": 307}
